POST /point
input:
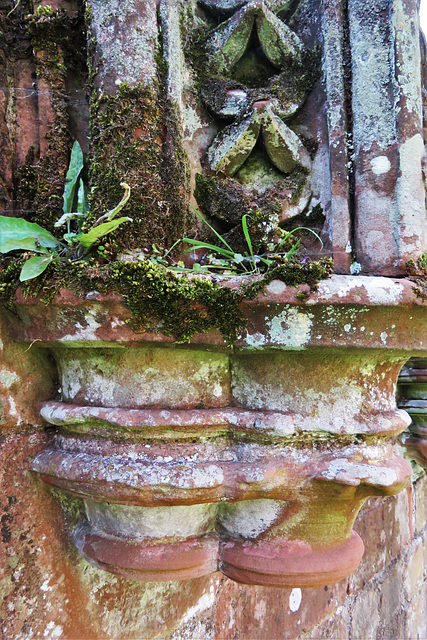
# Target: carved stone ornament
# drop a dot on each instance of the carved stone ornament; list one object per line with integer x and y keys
{"x": 253, "y": 461}
{"x": 255, "y": 77}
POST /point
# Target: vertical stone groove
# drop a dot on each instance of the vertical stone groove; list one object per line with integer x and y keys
{"x": 348, "y": 107}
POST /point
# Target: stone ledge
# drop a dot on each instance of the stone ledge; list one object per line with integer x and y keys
{"x": 351, "y": 311}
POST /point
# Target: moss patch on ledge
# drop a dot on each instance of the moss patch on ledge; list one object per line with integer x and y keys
{"x": 175, "y": 304}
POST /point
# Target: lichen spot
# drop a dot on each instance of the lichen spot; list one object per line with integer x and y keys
{"x": 290, "y": 328}
{"x": 8, "y": 378}
{"x": 380, "y": 165}
{"x": 295, "y": 600}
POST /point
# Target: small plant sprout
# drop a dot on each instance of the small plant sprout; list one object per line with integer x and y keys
{"x": 224, "y": 258}
{"x": 13, "y": 8}
{"x": 17, "y": 234}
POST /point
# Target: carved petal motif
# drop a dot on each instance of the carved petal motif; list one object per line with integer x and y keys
{"x": 284, "y": 148}
{"x": 279, "y": 43}
{"x": 233, "y": 145}
{"x": 227, "y": 44}
{"x": 256, "y": 110}
{"x": 288, "y": 103}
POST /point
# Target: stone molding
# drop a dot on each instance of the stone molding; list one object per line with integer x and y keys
{"x": 260, "y": 464}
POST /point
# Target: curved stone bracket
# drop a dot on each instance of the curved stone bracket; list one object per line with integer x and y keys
{"x": 261, "y": 515}
{"x": 254, "y": 461}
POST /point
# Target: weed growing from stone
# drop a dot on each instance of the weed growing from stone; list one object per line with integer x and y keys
{"x": 76, "y": 243}
{"x": 161, "y": 293}
{"x": 221, "y": 258}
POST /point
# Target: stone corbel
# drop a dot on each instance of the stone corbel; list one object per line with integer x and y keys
{"x": 253, "y": 461}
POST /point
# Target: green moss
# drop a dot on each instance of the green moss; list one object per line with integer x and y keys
{"x": 9, "y": 280}
{"x": 177, "y": 305}
{"x": 418, "y": 274}
{"x": 262, "y": 226}
{"x": 72, "y": 507}
{"x": 135, "y": 137}
{"x": 253, "y": 70}
{"x": 223, "y": 199}
{"x": 58, "y": 40}
{"x": 27, "y": 183}
{"x": 135, "y": 141}
{"x": 181, "y": 305}
{"x": 15, "y": 42}
{"x": 45, "y": 10}
{"x": 299, "y": 78}
{"x": 193, "y": 33}
{"x": 422, "y": 263}
{"x": 175, "y": 174}
{"x": 293, "y": 273}
{"x": 227, "y": 201}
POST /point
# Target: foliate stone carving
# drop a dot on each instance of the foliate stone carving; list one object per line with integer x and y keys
{"x": 256, "y": 74}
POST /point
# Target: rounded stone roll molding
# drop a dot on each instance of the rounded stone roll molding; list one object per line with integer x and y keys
{"x": 252, "y": 460}
{"x": 270, "y": 514}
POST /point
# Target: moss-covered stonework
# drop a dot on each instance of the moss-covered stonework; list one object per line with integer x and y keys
{"x": 177, "y": 305}
{"x": 257, "y": 162}
{"x": 418, "y": 273}
{"x": 125, "y": 37}
{"x": 226, "y": 200}
{"x": 16, "y": 67}
{"x": 15, "y": 43}
{"x": 135, "y": 138}
{"x": 9, "y": 279}
{"x": 43, "y": 571}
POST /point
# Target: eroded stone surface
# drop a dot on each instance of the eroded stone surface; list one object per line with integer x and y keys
{"x": 107, "y": 606}
{"x": 126, "y": 37}
{"x": 143, "y": 378}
